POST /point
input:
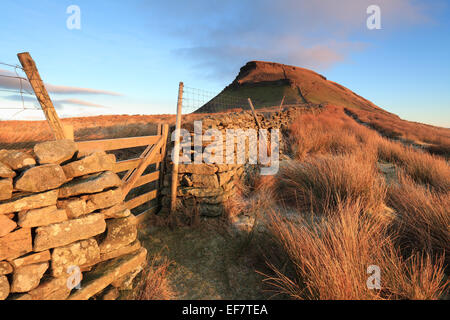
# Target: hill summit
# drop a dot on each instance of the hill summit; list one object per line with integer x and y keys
{"x": 266, "y": 83}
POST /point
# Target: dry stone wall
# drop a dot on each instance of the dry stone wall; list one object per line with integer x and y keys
{"x": 207, "y": 186}
{"x": 63, "y": 219}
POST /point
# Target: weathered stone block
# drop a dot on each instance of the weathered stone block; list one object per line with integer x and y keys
{"x": 6, "y": 189}
{"x": 205, "y": 181}
{"x": 118, "y": 211}
{"x": 126, "y": 282}
{"x": 90, "y": 184}
{"x": 80, "y": 253}
{"x": 96, "y": 162}
{"x": 55, "y": 152}
{"x": 28, "y": 277}
{"x": 16, "y": 160}
{"x": 32, "y": 258}
{"x": 64, "y": 233}
{"x": 52, "y": 289}
{"x": 41, "y": 178}
{"x": 132, "y": 247}
{"x": 105, "y": 273}
{"x": 15, "y": 244}
{"x": 202, "y": 168}
{"x": 208, "y": 210}
{"x": 29, "y": 201}
{"x": 41, "y": 217}
{"x": 120, "y": 232}
{"x": 104, "y": 199}
{"x": 6, "y": 172}
{"x": 225, "y": 177}
{"x": 75, "y": 208}
{"x": 4, "y": 287}
{"x": 6, "y": 225}
{"x": 5, "y": 268}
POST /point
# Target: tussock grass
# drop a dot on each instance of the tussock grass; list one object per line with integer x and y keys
{"x": 423, "y": 218}
{"x": 331, "y": 257}
{"x": 322, "y": 184}
{"x": 153, "y": 282}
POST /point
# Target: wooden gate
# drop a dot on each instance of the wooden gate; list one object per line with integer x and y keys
{"x": 132, "y": 170}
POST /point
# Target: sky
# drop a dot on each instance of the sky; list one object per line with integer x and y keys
{"x": 128, "y": 57}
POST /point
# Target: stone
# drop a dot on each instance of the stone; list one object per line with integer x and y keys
{"x": 28, "y": 277}
{"x": 225, "y": 177}
{"x": 110, "y": 293}
{"x": 104, "y": 199}
{"x": 106, "y": 272}
{"x": 75, "y": 208}
{"x": 53, "y": 288}
{"x": 117, "y": 211}
{"x": 32, "y": 258}
{"x": 90, "y": 184}
{"x": 208, "y": 210}
{"x": 6, "y": 225}
{"x": 203, "y": 168}
{"x": 41, "y": 217}
{"x": 29, "y": 201}
{"x": 126, "y": 282}
{"x": 15, "y": 244}
{"x": 80, "y": 253}
{"x": 5, "y": 268}
{"x": 41, "y": 178}
{"x": 96, "y": 162}
{"x": 6, "y": 172}
{"x": 6, "y": 189}
{"x": 64, "y": 233}
{"x": 16, "y": 160}
{"x": 196, "y": 192}
{"x": 4, "y": 288}
{"x": 132, "y": 247}
{"x": 120, "y": 232}
{"x": 205, "y": 181}
{"x": 55, "y": 152}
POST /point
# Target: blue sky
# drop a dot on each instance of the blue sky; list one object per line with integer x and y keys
{"x": 129, "y": 56}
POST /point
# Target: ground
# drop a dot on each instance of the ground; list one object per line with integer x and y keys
{"x": 207, "y": 263}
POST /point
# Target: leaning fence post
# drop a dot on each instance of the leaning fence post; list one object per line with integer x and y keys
{"x": 254, "y": 113}
{"x": 176, "y": 151}
{"x": 29, "y": 66}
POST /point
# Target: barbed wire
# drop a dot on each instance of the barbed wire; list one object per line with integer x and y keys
{"x": 20, "y": 91}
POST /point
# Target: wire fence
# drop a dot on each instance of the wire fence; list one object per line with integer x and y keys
{"x": 15, "y": 91}
{"x": 203, "y": 101}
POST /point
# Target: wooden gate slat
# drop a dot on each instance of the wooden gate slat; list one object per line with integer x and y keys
{"x": 132, "y": 163}
{"x": 146, "y": 197}
{"x": 116, "y": 144}
{"x": 154, "y": 176}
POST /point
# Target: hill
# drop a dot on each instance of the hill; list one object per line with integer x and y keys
{"x": 267, "y": 82}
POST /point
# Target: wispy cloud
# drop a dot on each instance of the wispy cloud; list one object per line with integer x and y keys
{"x": 9, "y": 81}
{"x": 58, "y": 104}
{"x": 220, "y": 37}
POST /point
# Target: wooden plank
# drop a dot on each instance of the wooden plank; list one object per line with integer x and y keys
{"x": 132, "y": 163}
{"x": 176, "y": 150}
{"x": 30, "y": 69}
{"x": 139, "y": 200}
{"x": 128, "y": 185}
{"x": 146, "y": 214}
{"x": 154, "y": 176}
{"x": 116, "y": 144}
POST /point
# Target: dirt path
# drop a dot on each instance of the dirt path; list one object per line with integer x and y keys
{"x": 208, "y": 264}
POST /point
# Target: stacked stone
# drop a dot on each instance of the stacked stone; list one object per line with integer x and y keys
{"x": 207, "y": 186}
{"x": 203, "y": 186}
{"x": 62, "y": 219}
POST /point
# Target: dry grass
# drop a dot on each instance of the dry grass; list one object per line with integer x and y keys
{"x": 331, "y": 257}
{"x": 322, "y": 184}
{"x": 423, "y": 167}
{"x": 153, "y": 282}
{"x": 423, "y": 219}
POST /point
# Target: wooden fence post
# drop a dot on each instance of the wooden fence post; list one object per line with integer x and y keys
{"x": 176, "y": 151}
{"x": 282, "y": 102}
{"x": 29, "y": 66}
{"x": 254, "y": 113}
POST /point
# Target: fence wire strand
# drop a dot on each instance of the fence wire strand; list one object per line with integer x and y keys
{"x": 20, "y": 91}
